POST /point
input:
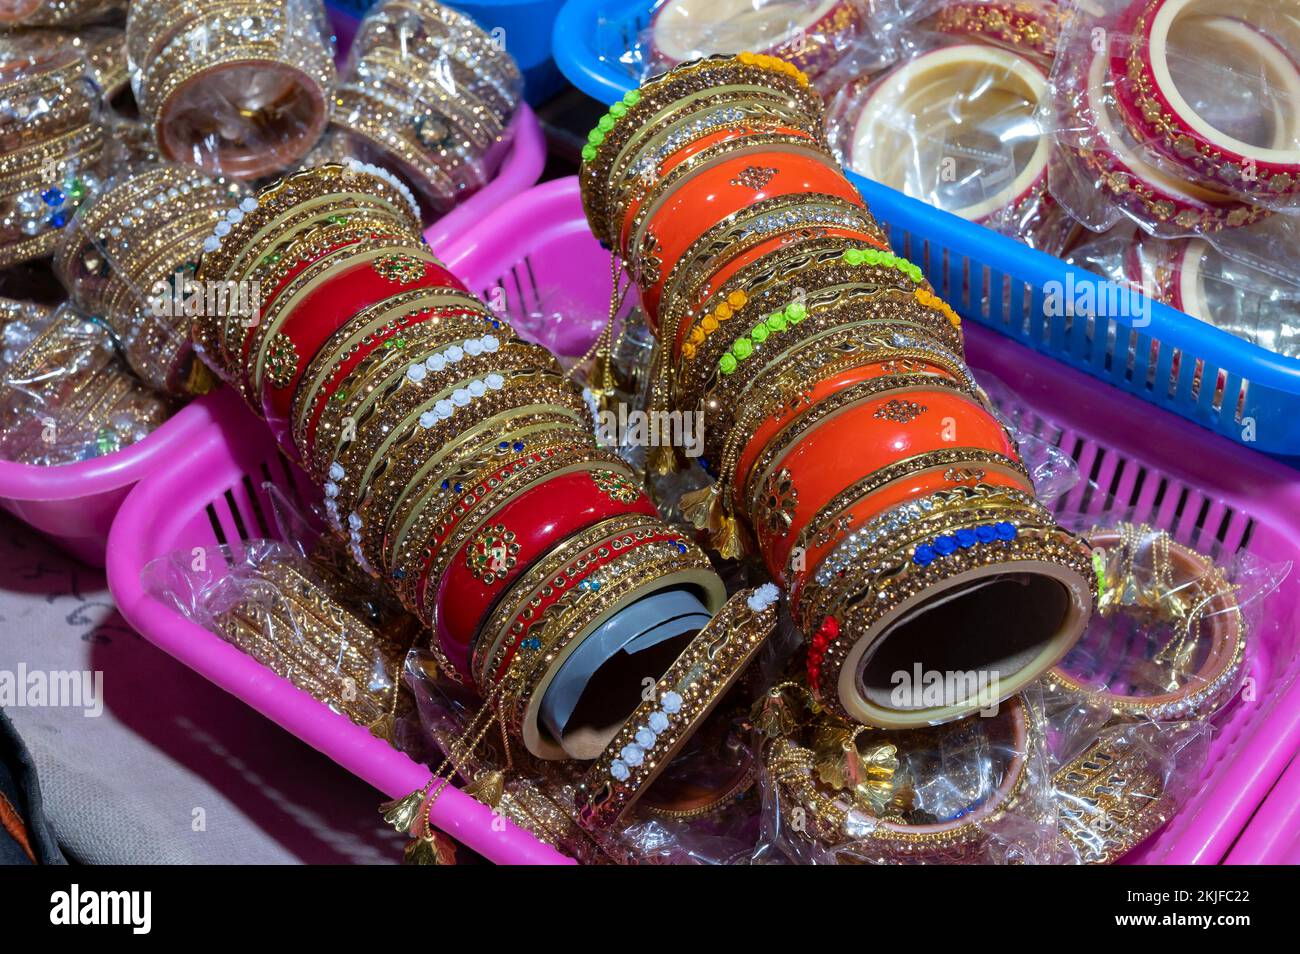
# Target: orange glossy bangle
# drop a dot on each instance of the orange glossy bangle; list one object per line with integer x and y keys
{"x": 638, "y": 194}
{"x": 821, "y": 390}
{"x": 721, "y": 190}
{"x": 859, "y": 440}
{"x": 912, "y": 487}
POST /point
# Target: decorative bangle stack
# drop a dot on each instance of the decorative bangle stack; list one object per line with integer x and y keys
{"x": 130, "y": 256}
{"x": 844, "y": 434}
{"x": 239, "y": 88}
{"x": 462, "y": 468}
{"x": 50, "y": 146}
{"x": 429, "y": 96}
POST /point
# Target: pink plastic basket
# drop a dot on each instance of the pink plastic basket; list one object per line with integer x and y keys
{"x": 1273, "y": 835}
{"x": 75, "y": 503}
{"x": 536, "y": 250}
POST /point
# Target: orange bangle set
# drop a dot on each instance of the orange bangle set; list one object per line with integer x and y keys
{"x": 812, "y": 460}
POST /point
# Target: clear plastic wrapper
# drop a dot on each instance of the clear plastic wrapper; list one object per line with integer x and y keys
{"x": 814, "y": 35}
{"x": 1117, "y": 785}
{"x": 975, "y": 791}
{"x": 1028, "y": 27}
{"x": 240, "y": 90}
{"x": 1197, "y": 278}
{"x": 64, "y": 395}
{"x": 51, "y": 142}
{"x": 1141, "y": 89}
{"x": 129, "y": 256}
{"x": 300, "y": 618}
{"x": 1171, "y": 637}
{"x": 431, "y": 97}
{"x": 955, "y": 123}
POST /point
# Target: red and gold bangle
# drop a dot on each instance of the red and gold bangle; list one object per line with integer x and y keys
{"x": 323, "y": 303}
{"x": 1144, "y": 189}
{"x": 428, "y": 513}
{"x": 516, "y": 536}
{"x": 1156, "y": 110}
{"x": 1027, "y": 26}
{"x": 863, "y": 438}
{"x": 439, "y": 526}
{"x": 542, "y": 605}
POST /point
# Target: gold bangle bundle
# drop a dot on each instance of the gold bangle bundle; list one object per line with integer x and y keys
{"x": 237, "y": 87}
{"x": 51, "y": 142}
{"x": 130, "y": 257}
{"x": 430, "y": 426}
{"x": 429, "y": 95}
{"x": 65, "y": 397}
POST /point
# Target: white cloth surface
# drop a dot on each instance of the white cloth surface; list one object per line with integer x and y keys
{"x": 174, "y": 769}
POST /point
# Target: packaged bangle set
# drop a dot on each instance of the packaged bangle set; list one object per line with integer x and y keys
{"x": 128, "y": 140}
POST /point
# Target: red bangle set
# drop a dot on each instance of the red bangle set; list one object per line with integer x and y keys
{"x": 454, "y": 458}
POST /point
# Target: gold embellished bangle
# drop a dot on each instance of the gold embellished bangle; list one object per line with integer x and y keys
{"x": 682, "y": 698}
{"x": 1110, "y": 798}
{"x": 781, "y": 336}
{"x": 392, "y": 335}
{"x": 455, "y": 526}
{"x": 800, "y": 215}
{"x": 273, "y": 217}
{"x": 636, "y": 108}
{"x": 406, "y": 409}
{"x": 638, "y": 572}
{"x": 874, "y": 817}
{"x": 1182, "y": 588}
{"x": 428, "y": 506}
{"x": 175, "y": 60}
{"x": 392, "y": 479}
{"x": 377, "y": 456}
{"x": 563, "y": 570}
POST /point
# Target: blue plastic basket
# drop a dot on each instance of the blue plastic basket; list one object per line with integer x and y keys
{"x": 524, "y": 25}
{"x": 1242, "y": 391}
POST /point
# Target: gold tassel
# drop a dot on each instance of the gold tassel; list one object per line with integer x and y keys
{"x": 702, "y": 507}
{"x": 661, "y": 460}
{"x": 729, "y": 539}
{"x": 487, "y": 787}
{"x": 434, "y": 848}
{"x": 402, "y": 812}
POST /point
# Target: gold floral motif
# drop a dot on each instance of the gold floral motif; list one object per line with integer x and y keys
{"x": 615, "y": 486}
{"x": 281, "y": 360}
{"x": 780, "y": 498}
{"x": 399, "y": 268}
{"x": 492, "y": 554}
